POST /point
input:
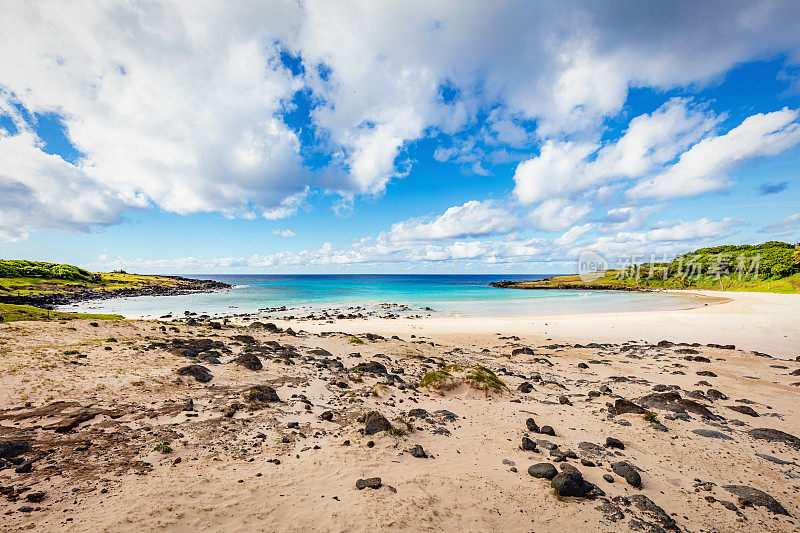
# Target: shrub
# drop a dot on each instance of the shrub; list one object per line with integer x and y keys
{"x": 484, "y": 379}
{"x": 16, "y": 268}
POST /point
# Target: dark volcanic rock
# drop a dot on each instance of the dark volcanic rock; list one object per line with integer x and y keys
{"x": 531, "y": 425}
{"x": 370, "y": 367}
{"x": 547, "y": 430}
{"x": 418, "y": 452}
{"x": 756, "y": 497}
{"x": 714, "y": 394}
{"x": 525, "y": 387}
{"x": 744, "y": 409}
{"x": 571, "y": 483}
{"x": 627, "y": 471}
{"x": 35, "y": 497}
{"x": 418, "y": 413}
{"x": 672, "y": 401}
{"x": 249, "y": 361}
{"x": 522, "y": 351}
{"x": 327, "y": 416}
{"x": 611, "y": 442}
{"x": 261, "y": 393}
{"x": 623, "y": 406}
{"x": 12, "y": 448}
{"x": 528, "y": 445}
{"x": 654, "y": 512}
{"x": 375, "y": 422}
{"x": 369, "y": 483}
{"x": 592, "y": 449}
{"x": 775, "y": 435}
{"x": 24, "y": 467}
{"x": 543, "y": 470}
{"x": 712, "y": 434}
{"x": 198, "y": 372}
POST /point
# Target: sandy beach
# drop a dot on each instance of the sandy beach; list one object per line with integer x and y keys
{"x": 751, "y": 321}
{"x": 111, "y": 426}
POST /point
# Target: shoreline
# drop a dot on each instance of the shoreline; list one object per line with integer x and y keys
{"x": 748, "y": 320}
{"x": 407, "y": 310}
{"x": 83, "y": 294}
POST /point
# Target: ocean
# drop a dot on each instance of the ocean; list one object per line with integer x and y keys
{"x": 450, "y": 294}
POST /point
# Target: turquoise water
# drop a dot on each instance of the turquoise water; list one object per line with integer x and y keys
{"x": 467, "y": 295}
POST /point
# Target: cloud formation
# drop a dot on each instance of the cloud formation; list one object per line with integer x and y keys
{"x": 785, "y": 225}
{"x": 704, "y": 167}
{"x": 184, "y": 106}
{"x": 472, "y": 219}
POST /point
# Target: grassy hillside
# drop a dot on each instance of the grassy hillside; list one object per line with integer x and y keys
{"x": 14, "y": 313}
{"x": 35, "y": 278}
{"x": 770, "y": 267}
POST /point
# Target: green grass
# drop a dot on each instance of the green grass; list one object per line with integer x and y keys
{"x": 163, "y": 448}
{"x": 34, "y": 278}
{"x": 778, "y": 272}
{"x": 435, "y": 379}
{"x": 478, "y": 377}
{"x": 650, "y": 416}
{"x": 355, "y": 340}
{"x": 787, "y": 285}
{"x": 20, "y": 268}
{"x": 484, "y": 379}
{"x": 15, "y": 313}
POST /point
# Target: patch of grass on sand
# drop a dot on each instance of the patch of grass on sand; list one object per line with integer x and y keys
{"x": 478, "y": 377}
{"x": 355, "y": 340}
{"x": 438, "y": 379}
{"x": 484, "y": 379}
{"x": 650, "y": 416}
{"x": 14, "y": 313}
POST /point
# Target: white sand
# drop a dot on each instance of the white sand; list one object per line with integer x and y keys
{"x": 225, "y": 480}
{"x": 762, "y": 322}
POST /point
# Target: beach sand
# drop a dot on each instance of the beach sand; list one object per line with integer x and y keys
{"x": 98, "y": 404}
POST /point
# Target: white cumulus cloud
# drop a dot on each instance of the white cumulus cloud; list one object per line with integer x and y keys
{"x": 704, "y": 167}
{"x": 471, "y": 219}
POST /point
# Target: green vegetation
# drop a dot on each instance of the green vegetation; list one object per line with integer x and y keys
{"x": 14, "y": 313}
{"x": 478, "y": 377}
{"x": 769, "y": 267}
{"x": 484, "y": 379}
{"x": 163, "y": 448}
{"x": 355, "y": 340}
{"x": 36, "y": 278}
{"x": 650, "y": 416}
{"x": 438, "y": 379}
{"x": 36, "y": 269}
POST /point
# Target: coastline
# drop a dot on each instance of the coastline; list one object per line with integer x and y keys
{"x": 178, "y": 285}
{"x": 747, "y": 319}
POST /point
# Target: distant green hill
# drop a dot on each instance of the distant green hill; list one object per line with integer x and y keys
{"x": 19, "y": 277}
{"x": 773, "y": 266}
{"x": 29, "y": 288}
{"x": 17, "y": 268}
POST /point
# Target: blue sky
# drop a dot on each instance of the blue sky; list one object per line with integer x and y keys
{"x": 394, "y": 137}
